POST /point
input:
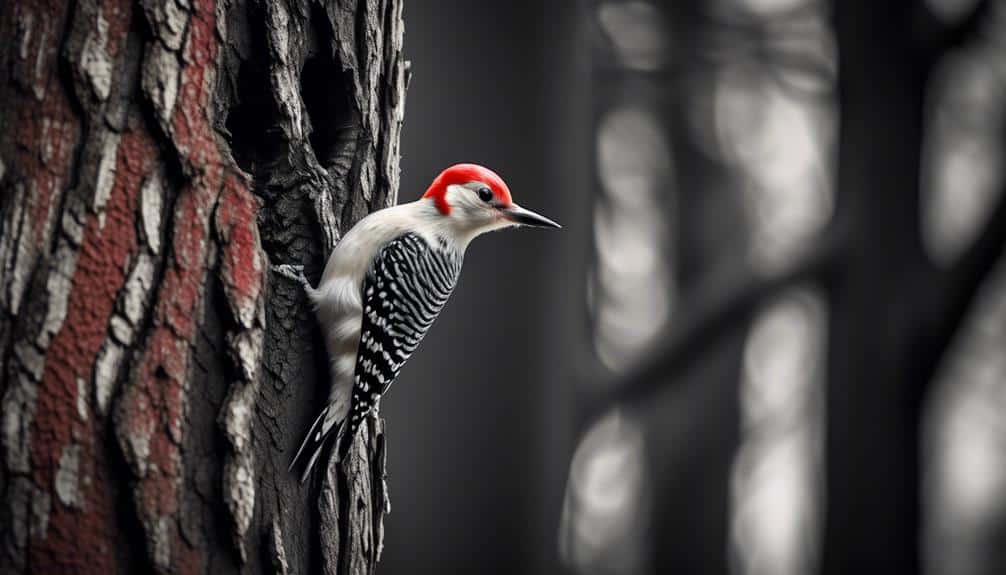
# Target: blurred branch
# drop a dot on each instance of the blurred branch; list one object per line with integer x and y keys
{"x": 967, "y": 28}
{"x": 939, "y": 37}
{"x": 721, "y": 303}
{"x": 972, "y": 267}
{"x": 959, "y": 285}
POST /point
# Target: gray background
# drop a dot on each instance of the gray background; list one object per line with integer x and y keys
{"x": 477, "y": 422}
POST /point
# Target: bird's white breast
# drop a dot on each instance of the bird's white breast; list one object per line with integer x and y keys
{"x": 338, "y": 299}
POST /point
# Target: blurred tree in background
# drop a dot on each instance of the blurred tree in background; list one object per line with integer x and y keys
{"x": 797, "y": 205}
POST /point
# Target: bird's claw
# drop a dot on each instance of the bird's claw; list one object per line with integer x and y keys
{"x": 292, "y": 272}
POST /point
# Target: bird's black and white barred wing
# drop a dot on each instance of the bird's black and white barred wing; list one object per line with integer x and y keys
{"x": 407, "y": 285}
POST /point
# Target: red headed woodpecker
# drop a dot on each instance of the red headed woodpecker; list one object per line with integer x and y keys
{"x": 385, "y": 283}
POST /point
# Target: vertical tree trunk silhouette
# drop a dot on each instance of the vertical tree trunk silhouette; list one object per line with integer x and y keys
{"x": 156, "y": 157}
{"x": 875, "y": 390}
{"x": 887, "y": 338}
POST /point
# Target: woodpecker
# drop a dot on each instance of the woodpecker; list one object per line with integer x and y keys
{"x": 384, "y": 285}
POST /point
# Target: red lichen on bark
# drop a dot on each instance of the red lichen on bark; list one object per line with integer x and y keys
{"x": 117, "y": 15}
{"x": 81, "y": 531}
{"x": 193, "y": 132}
{"x": 45, "y": 127}
{"x": 242, "y": 262}
{"x": 151, "y": 411}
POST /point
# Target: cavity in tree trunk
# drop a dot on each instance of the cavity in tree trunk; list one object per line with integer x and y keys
{"x": 156, "y": 157}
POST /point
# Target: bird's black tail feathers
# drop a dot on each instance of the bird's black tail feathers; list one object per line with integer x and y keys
{"x": 316, "y": 443}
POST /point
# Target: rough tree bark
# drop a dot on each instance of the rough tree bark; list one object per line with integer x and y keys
{"x": 156, "y": 157}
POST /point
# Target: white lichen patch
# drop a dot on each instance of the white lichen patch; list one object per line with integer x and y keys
{"x": 237, "y": 416}
{"x": 247, "y": 347}
{"x": 23, "y": 29}
{"x": 161, "y": 543}
{"x": 159, "y": 81}
{"x": 19, "y": 403}
{"x": 138, "y": 286}
{"x": 168, "y": 19}
{"x": 130, "y": 309}
{"x": 236, "y": 419}
{"x": 239, "y": 493}
{"x": 280, "y": 564}
{"x": 58, "y": 289}
{"x": 73, "y": 224}
{"x": 138, "y": 451}
{"x": 103, "y": 184}
{"x": 41, "y": 55}
{"x": 67, "y": 481}
{"x": 121, "y": 330}
{"x": 95, "y": 63}
{"x": 151, "y": 206}
{"x": 82, "y": 398}
{"x": 249, "y": 313}
{"x": 105, "y": 370}
{"x": 45, "y": 154}
{"x": 15, "y": 248}
{"x": 30, "y": 359}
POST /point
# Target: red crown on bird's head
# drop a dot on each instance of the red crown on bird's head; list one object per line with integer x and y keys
{"x": 462, "y": 174}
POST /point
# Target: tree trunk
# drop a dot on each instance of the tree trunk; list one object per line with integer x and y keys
{"x": 155, "y": 159}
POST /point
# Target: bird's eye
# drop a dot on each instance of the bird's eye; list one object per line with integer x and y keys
{"x": 485, "y": 194}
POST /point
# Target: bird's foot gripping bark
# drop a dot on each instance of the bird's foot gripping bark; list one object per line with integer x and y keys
{"x": 295, "y": 273}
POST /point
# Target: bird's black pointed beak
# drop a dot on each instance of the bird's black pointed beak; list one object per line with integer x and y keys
{"x": 519, "y": 215}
